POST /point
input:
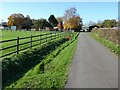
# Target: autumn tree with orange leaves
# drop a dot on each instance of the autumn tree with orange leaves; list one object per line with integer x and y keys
{"x": 72, "y": 20}
{"x": 19, "y": 21}
{"x": 16, "y": 20}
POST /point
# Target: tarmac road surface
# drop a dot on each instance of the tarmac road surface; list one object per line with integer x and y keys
{"x": 93, "y": 66}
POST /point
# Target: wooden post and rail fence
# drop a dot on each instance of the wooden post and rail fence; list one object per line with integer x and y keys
{"x": 29, "y": 42}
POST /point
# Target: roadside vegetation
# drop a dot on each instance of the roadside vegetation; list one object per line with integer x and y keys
{"x": 45, "y": 67}
{"x": 108, "y": 37}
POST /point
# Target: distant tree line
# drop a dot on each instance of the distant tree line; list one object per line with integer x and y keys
{"x": 108, "y": 23}
{"x": 105, "y": 24}
{"x": 40, "y": 24}
{"x": 69, "y": 21}
{"x": 22, "y": 22}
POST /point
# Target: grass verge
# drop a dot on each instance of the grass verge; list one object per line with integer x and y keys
{"x": 112, "y": 46}
{"x": 52, "y": 71}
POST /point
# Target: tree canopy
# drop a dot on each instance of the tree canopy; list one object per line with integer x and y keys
{"x": 19, "y": 20}
{"x": 107, "y": 23}
{"x": 27, "y": 22}
{"x": 71, "y": 19}
{"x": 41, "y": 23}
{"x": 15, "y": 20}
{"x": 52, "y": 20}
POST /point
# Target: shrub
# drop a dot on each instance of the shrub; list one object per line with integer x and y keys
{"x": 68, "y": 37}
{"x": 110, "y": 34}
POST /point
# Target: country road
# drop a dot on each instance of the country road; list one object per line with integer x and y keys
{"x": 93, "y": 66}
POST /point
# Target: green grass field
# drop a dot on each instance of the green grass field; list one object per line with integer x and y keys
{"x": 11, "y": 34}
{"x": 6, "y": 35}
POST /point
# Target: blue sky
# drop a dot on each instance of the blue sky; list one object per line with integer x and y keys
{"x": 89, "y": 11}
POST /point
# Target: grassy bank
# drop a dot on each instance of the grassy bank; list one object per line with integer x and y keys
{"x": 114, "y": 47}
{"x": 52, "y": 71}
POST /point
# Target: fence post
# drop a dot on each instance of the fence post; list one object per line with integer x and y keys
{"x": 40, "y": 39}
{"x": 17, "y": 47}
{"x": 46, "y": 38}
{"x": 59, "y": 35}
{"x": 31, "y": 42}
{"x": 51, "y": 35}
{"x": 65, "y": 35}
{"x": 55, "y": 35}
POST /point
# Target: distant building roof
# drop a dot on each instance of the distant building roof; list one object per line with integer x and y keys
{"x": 4, "y": 24}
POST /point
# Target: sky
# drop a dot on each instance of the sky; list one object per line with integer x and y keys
{"x": 88, "y": 11}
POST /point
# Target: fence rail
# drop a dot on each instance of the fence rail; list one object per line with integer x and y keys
{"x": 30, "y": 42}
